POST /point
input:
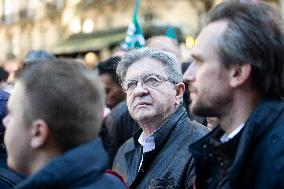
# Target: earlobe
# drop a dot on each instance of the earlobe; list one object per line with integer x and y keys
{"x": 180, "y": 88}
{"x": 39, "y": 133}
{"x": 240, "y": 74}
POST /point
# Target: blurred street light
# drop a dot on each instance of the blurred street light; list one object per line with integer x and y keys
{"x": 91, "y": 58}
{"x": 189, "y": 42}
{"x": 88, "y": 26}
{"x": 75, "y": 25}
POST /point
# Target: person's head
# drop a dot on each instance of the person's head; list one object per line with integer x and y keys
{"x": 164, "y": 43}
{"x": 153, "y": 84}
{"x": 36, "y": 55}
{"x": 113, "y": 90}
{"x": 240, "y": 51}
{"x": 33, "y": 55}
{"x": 55, "y": 106}
{"x": 119, "y": 51}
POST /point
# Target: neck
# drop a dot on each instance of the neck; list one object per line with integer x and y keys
{"x": 238, "y": 112}
{"x": 42, "y": 158}
{"x": 149, "y": 127}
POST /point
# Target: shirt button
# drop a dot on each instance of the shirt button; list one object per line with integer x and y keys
{"x": 204, "y": 146}
{"x": 274, "y": 141}
{"x": 209, "y": 180}
{"x": 222, "y": 164}
{"x": 210, "y": 155}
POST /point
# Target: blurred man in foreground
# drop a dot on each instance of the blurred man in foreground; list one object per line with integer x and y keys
{"x": 54, "y": 115}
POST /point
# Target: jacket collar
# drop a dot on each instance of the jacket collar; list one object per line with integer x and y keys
{"x": 77, "y": 163}
{"x": 261, "y": 121}
{"x": 133, "y": 156}
{"x": 162, "y": 133}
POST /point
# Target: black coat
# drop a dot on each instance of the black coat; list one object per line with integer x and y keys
{"x": 252, "y": 159}
{"x": 117, "y": 128}
{"x": 170, "y": 164}
{"x": 81, "y": 167}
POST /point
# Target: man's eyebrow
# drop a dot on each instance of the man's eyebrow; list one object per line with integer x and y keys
{"x": 145, "y": 74}
{"x": 149, "y": 74}
{"x": 197, "y": 57}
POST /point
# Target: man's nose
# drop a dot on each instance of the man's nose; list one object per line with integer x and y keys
{"x": 189, "y": 74}
{"x": 140, "y": 89}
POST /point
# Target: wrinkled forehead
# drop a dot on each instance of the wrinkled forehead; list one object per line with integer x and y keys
{"x": 144, "y": 75}
{"x": 145, "y": 66}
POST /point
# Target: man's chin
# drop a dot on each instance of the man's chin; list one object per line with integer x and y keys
{"x": 144, "y": 116}
{"x": 11, "y": 167}
{"x": 199, "y": 111}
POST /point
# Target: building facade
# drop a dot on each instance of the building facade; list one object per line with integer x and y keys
{"x": 76, "y": 27}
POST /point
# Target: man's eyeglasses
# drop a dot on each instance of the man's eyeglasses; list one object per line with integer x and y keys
{"x": 148, "y": 80}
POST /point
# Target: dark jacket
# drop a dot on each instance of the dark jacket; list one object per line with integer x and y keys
{"x": 254, "y": 158}
{"x": 9, "y": 179}
{"x": 123, "y": 127}
{"x": 170, "y": 164}
{"x": 81, "y": 167}
{"x": 117, "y": 128}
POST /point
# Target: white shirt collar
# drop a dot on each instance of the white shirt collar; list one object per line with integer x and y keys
{"x": 147, "y": 142}
{"x": 226, "y": 137}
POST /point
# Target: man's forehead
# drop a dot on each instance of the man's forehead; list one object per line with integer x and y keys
{"x": 212, "y": 31}
{"x": 209, "y": 36}
{"x": 146, "y": 60}
{"x": 145, "y": 65}
{"x": 144, "y": 75}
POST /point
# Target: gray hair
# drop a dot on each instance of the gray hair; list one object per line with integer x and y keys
{"x": 169, "y": 61}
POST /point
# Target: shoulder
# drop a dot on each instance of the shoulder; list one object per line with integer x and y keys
{"x": 110, "y": 179}
{"x": 119, "y": 163}
{"x": 119, "y": 157}
{"x": 120, "y": 108}
{"x": 103, "y": 180}
{"x": 194, "y": 130}
{"x": 127, "y": 146}
{"x": 274, "y": 143}
{"x": 9, "y": 179}
{"x": 268, "y": 151}
{"x": 120, "y": 115}
{"x": 271, "y": 151}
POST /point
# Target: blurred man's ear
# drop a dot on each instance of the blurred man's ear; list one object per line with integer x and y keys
{"x": 239, "y": 74}
{"x": 180, "y": 88}
{"x": 39, "y": 133}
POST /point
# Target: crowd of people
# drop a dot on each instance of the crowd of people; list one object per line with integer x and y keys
{"x": 214, "y": 122}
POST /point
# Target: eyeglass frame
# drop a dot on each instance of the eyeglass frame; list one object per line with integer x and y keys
{"x": 142, "y": 79}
